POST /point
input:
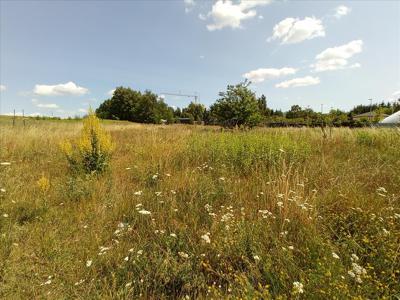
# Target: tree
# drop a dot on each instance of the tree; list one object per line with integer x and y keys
{"x": 197, "y": 111}
{"x": 237, "y": 106}
{"x": 131, "y": 105}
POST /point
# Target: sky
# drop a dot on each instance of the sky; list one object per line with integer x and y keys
{"x": 62, "y": 57}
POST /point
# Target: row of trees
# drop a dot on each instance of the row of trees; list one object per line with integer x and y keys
{"x": 237, "y": 106}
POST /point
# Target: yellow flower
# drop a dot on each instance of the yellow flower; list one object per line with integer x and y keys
{"x": 43, "y": 184}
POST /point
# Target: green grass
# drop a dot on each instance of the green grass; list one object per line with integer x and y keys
{"x": 275, "y": 204}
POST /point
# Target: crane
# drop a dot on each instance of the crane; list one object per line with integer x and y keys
{"x": 196, "y": 97}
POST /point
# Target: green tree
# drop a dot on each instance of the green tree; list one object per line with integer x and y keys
{"x": 197, "y": 110}
{"x": 237, "y": 106}
{"x": 131, "y": 105}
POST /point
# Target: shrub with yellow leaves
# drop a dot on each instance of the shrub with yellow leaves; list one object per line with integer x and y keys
{"x": 92, "y": 150}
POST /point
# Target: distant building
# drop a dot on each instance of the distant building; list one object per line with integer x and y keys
{"x": 370, "y": 116}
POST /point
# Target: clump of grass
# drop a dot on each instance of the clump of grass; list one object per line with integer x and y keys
{"x": 91, "y": 153}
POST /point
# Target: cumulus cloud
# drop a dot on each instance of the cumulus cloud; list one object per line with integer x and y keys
{"x": 62, "y": 89}
{"x": 262, "y": 74}
{"x": 225, "y": 13}
{"x": 341, "y": 11}
{"x": 336, "y": 58}
{"x": 294, "y": 30}
{"x": 2, "y": 87}
{"x": 44, "y": 105}
{"x": 298, "y": 82}
{"x": 189, "y": 4}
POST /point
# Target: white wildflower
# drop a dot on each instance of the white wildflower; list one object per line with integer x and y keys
{"x": 5, "y": 215}
{"x": 89, "y": 263}
{"x": 334, "y": 255}
{"x": 298, "y": 287}
{"x": 126, "y": 258}
{"x": 2, "y": 190}
{"x": 173, "y": 235}
{"x": 206, "y": 237}
{"x": 279, "y": 203}
{"x": 256, "y": 257}
{"x": 183, "y": 254}
{"x": 138, "y": 193}
{"x": 144, "y": 212}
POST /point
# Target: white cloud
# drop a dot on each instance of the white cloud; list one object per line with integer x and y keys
{"x": 82, "y": 110}
{"x": 298, "y": 82}
{"x": 337, "y": 57}
{"x": 111, "y": 92}
{"x": 189, "y": 4}
{"x": 294, "y": 30}
{"x": 61, "y": 89}
{"x": 262, "y": 74}
{"x": 341, "y": 11}
{"x": 44, "y": 105}
{"x": 2, "y": 88}
{"x": 225, "y": 13}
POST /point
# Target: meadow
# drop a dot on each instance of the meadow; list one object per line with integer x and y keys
{"x": 190, "y": 212}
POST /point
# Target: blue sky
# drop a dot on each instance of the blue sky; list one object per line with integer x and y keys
{"x": 59, "y": 57}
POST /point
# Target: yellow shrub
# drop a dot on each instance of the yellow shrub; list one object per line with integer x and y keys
{"x": 92, "y": 150}
{"x": 43, "y": 184}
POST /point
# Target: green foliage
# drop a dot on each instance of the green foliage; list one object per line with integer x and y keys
{"x": 196, "y": 111}
{"x": 131, "y": 105}
{"x": 238, "y": 106}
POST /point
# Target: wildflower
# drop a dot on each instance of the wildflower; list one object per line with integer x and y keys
{"x": 2, "y": 190}
{"x": 222, "y": 178}
{"x": 80, "y": 282}
{"x": 173, "y": 192}
{"x": 354, "y": 257}
{"x": 206, "y": 237}
{"x": 128, "y": 168}
{"x": 128, "y": 284}
{"x": 5, "y": 215}
{"x": 154, "y": 177}
{"x": 43, "y": 184}
{"x": 287, "y": 220}
{"x": 140, "y": 252}
{"x": 5, "y": 163}
{"x": 291, "y": 247}
{"x": 173, "y": 235}
{"x": 126, "y": 258}
{"x": 256, "y": 257}
{"x": 157, "y": 194}
{"x": 280, "y": 203}
{"x": 351, "y": 273}
{"x": 167, "y": 174}
{"x": 131, "y": 250}
{"x": 138, "y": 193}
{"x": 298, "y": 287}
{"x": 89, "y": 263}
{"x": 334, "y": 255}
{"x": 144, "y": 212}
{"x": 183, "y": 254}
{"x": 47, "y": 282}
{"x": 386, "y": 232}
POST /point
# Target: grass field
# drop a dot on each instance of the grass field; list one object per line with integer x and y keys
{"x": 193, "y": 212}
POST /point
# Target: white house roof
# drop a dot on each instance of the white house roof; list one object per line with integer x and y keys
{"x": 392, "y": 119}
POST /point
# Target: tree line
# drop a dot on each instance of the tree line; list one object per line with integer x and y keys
{"x": 237, "y": 106}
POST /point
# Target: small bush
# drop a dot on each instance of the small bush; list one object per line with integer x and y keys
{"x": 92, "y": 151}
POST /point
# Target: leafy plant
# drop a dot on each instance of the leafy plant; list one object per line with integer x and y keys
{"x": 92, "y": 150}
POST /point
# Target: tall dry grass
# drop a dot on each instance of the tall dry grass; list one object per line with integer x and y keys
{"x": 195, "y": 212}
